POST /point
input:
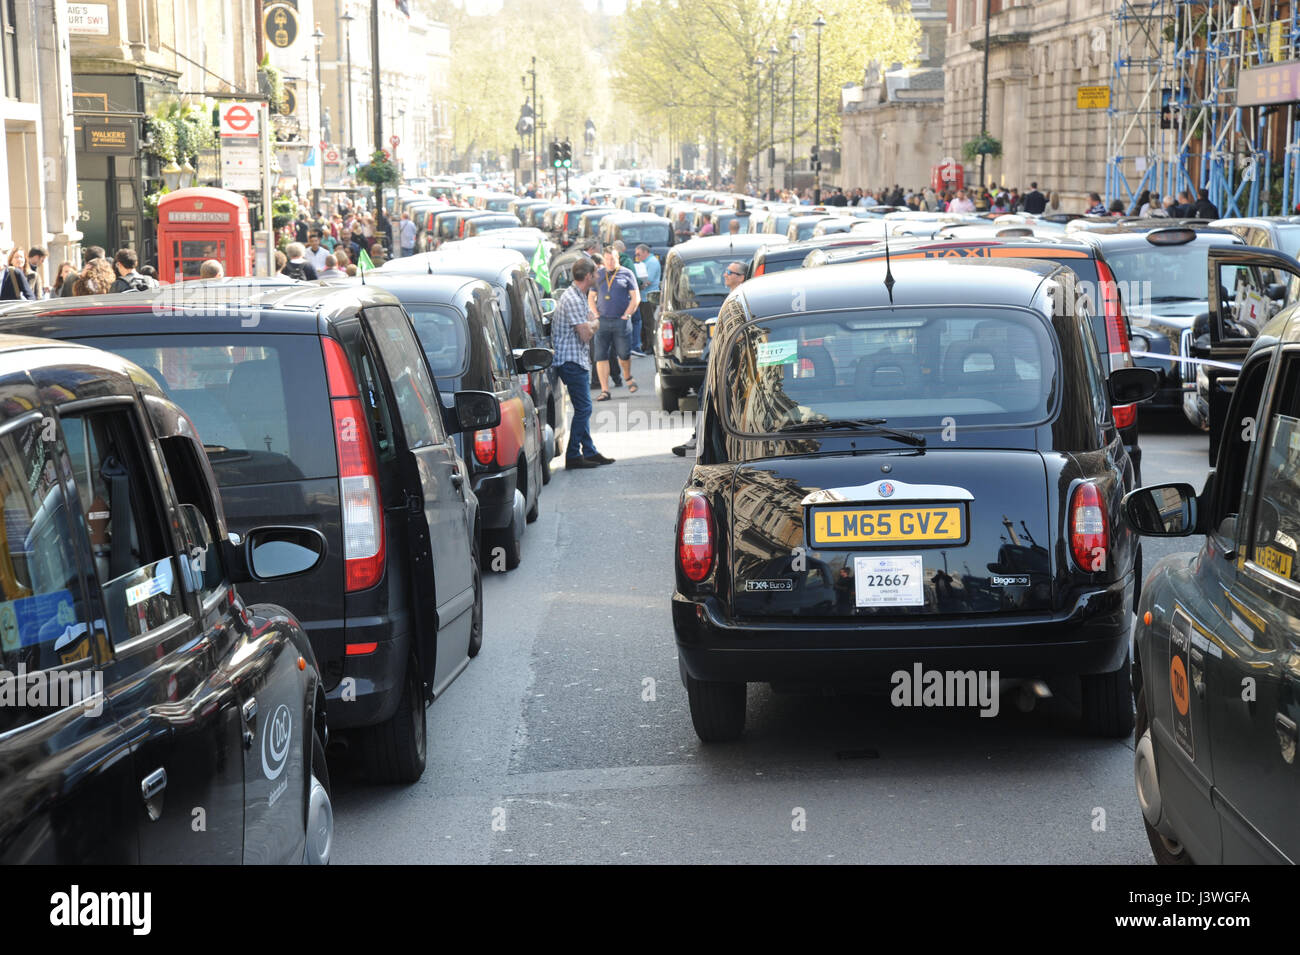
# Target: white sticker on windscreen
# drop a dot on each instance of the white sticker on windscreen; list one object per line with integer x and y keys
{"x": 888, "y": 581}
{"x": 777, "y": 353}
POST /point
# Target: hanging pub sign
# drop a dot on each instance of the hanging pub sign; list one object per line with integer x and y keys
{"x": 116, "y": 139}
{"x": 280, "y": 24}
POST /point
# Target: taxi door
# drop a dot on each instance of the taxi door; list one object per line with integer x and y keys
{"x": 1254, "y": 683}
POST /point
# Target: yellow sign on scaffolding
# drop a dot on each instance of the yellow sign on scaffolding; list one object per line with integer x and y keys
{"x": 1093, "y": 97}
{"x": 1275, "y": 41}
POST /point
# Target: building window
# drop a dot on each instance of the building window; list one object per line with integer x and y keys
{"x": 9, "y": 27}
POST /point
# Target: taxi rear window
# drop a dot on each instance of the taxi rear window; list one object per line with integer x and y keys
{"x": 915, "y": 367}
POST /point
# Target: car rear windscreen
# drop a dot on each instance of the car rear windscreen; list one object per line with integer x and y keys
{"x": 700, "y": 283}
{"x": 651, "y": 233}
{"x": 441, "y": 331}
{"x": 912, "y": 367}
{"x": 260, "y": 402}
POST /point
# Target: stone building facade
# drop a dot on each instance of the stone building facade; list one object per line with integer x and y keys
{"x": 1040, "y": 53}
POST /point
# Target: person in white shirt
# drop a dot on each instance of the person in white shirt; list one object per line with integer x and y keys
{"x": 316, "y": 253}
{"x": 961, "y": 203}
{"x": 406, "y": 233}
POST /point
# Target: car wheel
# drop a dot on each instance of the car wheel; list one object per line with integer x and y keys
{"x": 395, "y": 752}
{"x": 669, "y": 398}
{"x": 476, "y": 621}
{"x": 320, "y": 809}
{"x": 1166, "y": 851}
{"x": 1108, "y": 702}
{"x": 510, "y": 541}
{"x": 717, "y": 709}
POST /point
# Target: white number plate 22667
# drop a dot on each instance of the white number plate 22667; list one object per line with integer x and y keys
{"x": 888, "y": 581}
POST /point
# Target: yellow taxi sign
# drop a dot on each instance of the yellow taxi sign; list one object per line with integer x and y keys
{"x": 886, "y": 525}
{"x": 1093, "y": 97}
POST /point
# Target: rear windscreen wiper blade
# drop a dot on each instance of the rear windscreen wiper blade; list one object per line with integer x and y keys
{"x": 1173, "y": 298}
{"x": 857, "y": 424}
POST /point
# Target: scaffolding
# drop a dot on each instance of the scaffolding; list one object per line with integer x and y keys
{"x": 1174, "y": 122}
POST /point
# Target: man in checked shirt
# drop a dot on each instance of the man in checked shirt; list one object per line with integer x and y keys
{"x": 570, "y": 333}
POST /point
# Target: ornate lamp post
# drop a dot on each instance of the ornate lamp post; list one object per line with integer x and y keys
{"x": 758, "y": 120}
{"x": 347, "y": 19}
{"x": 796, "y": 44}
{"x": 772, "y": 54}
{"x": 817, "y": 149}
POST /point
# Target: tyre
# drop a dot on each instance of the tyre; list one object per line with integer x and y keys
{"x": 669, "y": 398}
{"x": 510, "y": 541}
{"x": 1166, "y": 851}
{"x": 536, "y": 509}
{"x": 320, "y": 809}
{"x": 395, "y": 750}
{"x": 717, "y": 709}
{"x": 476, "y": 621}
{"x": 1108, "y": 702}
{"x": 546, "y": 467}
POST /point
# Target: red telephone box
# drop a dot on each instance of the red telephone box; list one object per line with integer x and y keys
{"x": 947, "y": 175}
{"x": 199, "y": 224}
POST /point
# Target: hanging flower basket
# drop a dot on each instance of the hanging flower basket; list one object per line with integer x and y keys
{"x": 982, "y": 145}
{"x": 379, "y": 171}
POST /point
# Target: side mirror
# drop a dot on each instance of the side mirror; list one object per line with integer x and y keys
{"x": 1130, "y": 385}
{"x": 276, "y": 553}
{"x": 653, "y": 298}
{"x": 477, "y": 410}
{"x": 1137, "y": 344}
{"x": 1165, "y": 510}
{"x": 548, "y": 307}
{"x": 1276, "y": 292}
{"x": 533, "y": 359}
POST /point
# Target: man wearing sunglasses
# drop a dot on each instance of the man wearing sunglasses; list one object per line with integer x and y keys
{"x": 732, "y": 276}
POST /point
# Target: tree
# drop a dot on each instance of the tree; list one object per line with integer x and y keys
{"x": 687, "y": 62}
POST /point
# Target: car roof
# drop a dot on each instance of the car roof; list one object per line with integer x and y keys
{"x": 480, "y": 261}
{"x": 628, "y": 218}
{"x": 1123, "y": 238}
{"x": 216, "y": 305}
{"x": 1010, "y": 282}
{"x": 442, "y": 287}
{"x": 713, "y": 246}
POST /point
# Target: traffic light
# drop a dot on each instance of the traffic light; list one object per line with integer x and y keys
{"x": 566, "y": 154}
{"x": 816, "y": 164}
{"x": 555, "y": 154}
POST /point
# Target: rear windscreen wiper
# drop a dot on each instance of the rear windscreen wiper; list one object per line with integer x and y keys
{"x": 857, "y": 424}
{"x": 1174, "y": 298}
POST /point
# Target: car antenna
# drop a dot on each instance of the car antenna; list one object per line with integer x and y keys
{"x": 889, "y": 274}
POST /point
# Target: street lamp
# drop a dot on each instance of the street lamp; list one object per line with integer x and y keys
{"x": 796, "y": 44}
{"x": 817, "y": 149}
{"x": 319, "y": 38}
{"x": 772, "y": 54}
{"x": 347, "y": 19}
{"x": 984, "y": 105}
{"x": 758, "y": 120}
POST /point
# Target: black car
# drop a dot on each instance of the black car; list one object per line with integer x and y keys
{"x": 528, "y": 325}
{"x": 459, "y": 325}
{"x": 317, "y": 408}
{"x": 692, "y": 291}
{"x": 943, "y": 445}
{"x": 1214, "y": 645}
{"x": 791, "y": 255}
{"x": 589, "y": 222}
{"x": 480, "y": 225}
{"x": 163, "y": 694}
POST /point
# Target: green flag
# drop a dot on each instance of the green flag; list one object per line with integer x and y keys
{"x": 363, "y": 261}
{"x": 541, "y": 268}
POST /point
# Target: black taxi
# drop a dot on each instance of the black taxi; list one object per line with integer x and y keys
{"x": 147, "y": 713}
{"x": 1217, "y": 640}
{"x": 906, "y": 466}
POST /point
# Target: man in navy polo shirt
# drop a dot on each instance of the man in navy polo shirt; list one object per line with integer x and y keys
{"x": 614, "y": 300}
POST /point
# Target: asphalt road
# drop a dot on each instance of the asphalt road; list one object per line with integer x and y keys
{"x": 569, "y": 739}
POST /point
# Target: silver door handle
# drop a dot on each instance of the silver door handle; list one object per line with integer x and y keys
{"x": 250, "y": 709}
{"x": 153, "y": 784}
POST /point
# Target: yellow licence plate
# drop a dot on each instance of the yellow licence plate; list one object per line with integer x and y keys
{"x": 1272, "y": 559}
{"x": 886, "y": 525}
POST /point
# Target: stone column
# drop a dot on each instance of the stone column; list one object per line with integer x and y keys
{"x": 58, "y": 175}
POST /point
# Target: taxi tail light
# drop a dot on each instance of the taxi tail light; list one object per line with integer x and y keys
{"x": 695, "y": 537}
{"x": 528, "y": 383}
{"x": 667, "y": 336}
{"x": 1116, "y": 337}
{"x": 485, "y": 446}
{"x": 363, "y": 515}
{"x": 1089, "y": 532}
{"x": 760, "y": 268}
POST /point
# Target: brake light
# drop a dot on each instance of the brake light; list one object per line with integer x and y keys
{"x": 695, "y": 537}
{"x": 667, "y": 337}
{"x": 1089, "y": 534}
{"x": 363, "y": 520}
{"x": 528, "y": 383}
{"x": 1113, "y": 313}
{"x": 760, "y": 268}
{"x": 485, "y": 446}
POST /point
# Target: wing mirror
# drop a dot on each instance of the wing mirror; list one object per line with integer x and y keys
{"x": 1165, "y": 510}
{"x": 1276, "y": 292}
{"x": 548, "y": 307}
{"x": 1129, "y": 385}
{"x": 652, "y": 298}
{"x": 477, "y": 411}
{"x": 533, "y": 359}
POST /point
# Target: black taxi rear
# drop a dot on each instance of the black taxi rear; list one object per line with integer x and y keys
{"x": 931, "y": 482}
